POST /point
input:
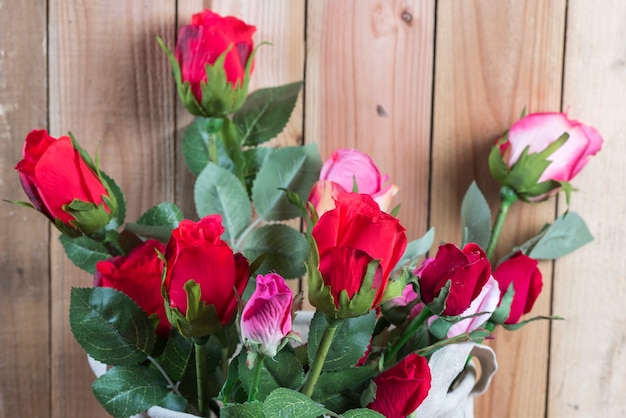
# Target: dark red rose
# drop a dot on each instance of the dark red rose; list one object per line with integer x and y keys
{"x": 467, "y": 270}
{"x": 62, "y": 186}
{"x": 196, "y": 253}
{"x": 202, "y": 42}
{"x": 521, "y": 271}
{"x": 138, "y": 275}
{"x": 348, "y": 238}
{"x": 401, "y": 389}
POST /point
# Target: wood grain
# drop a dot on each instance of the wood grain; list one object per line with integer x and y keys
{"x": 587, "y": 360}
{"x": 107, "y": 84}
{"x": 24, "y": 334}
{"x": 494, "y": 58}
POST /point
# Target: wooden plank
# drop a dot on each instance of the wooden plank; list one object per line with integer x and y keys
{"x": 108, "y": 83}
{"x": 494, "y": 58}
{"x": 368, "y": 84}
{"x": 24, "y": 311}
{"x": 587, "y": 359}
{"x": 281, "y": 23}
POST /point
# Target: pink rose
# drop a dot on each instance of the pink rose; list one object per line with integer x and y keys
{"x": 341, "y": 170}
{"x": 266, "y": 318}
{"x": 517, "y": 161}
{"x": 522, "y": 272}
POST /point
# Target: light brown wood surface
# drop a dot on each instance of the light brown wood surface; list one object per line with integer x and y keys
{"x": 423, "y": 86}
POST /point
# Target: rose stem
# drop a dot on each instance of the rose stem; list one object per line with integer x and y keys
{"x": 202, "y": 378}
{"x": 409, "y": 332}
{"x": 320, "y": 356}
{"x": 507, "y": 198}
{"x": 256, "y": 377}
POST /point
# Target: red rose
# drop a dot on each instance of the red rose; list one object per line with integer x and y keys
{"x": 521, "y": 271}
{"x": 201, "y": 43}
{"x": 138, "y": 275}
{"x": 348, "y": 239}
{"x": 195, "y": 254}
{"x": 467, "y": 270}
{"x": 401, "y": 389}
{"x": 62, "y": 186}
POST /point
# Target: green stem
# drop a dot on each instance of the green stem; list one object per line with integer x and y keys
{"x": 202, "y": 378}
{"x": 408, "y": 333}
{"x": 320, "y": 356}
{"x": 507, "y": 198}
{"x": 256, "y": 377}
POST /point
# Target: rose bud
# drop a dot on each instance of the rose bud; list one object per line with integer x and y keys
{"x": 486, "y": 302}
{"x": 266, "y": 318}
{"x": 541, "y": 153}
{"x": 465, "y": 272}
{"x": 339, "y": 174}
{"x": 138, "y": 275}
{"x": 203, "y": 278}
{"x": 212, "y": 63}
{"x": 402, "y": 389}
{"x": 520, "y": 272}
{"x": 357, "y": 246}
{"x": 62, "y": 182}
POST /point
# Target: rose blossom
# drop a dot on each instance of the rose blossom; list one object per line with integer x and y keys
{"x": 266, "y": 318}
{"x": 534, "y": 134}
{"x": 62, "y": 186}
{"x": 201, "y": 43}
{"x": 402, "y": 388}
{"x": 348, "y": 239}
{"x": 138, "y": 275}
{"x": 521, "y": 271}
{"x": 196, "y": 253}
{"x": 467, "y": 270}
{"x": 338, "y": 174}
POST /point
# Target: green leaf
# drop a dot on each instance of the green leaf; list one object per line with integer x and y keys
{"x": 515, "y": 327}
{"x": 568, "y": 233}
{"x": 120, "y": 214}
{"x": 475, "y": 217}
{"x": 253, "y": 160}
{"x": 285, "y": 249}
{"x": 110, "y": 326}
{"x": 232, "y": 391}
{"x": 163, "y": 214}
{"x": 128, "y": 390}
{"x": 177, "y": 357}
{"x": 243, "y": 410}
{"x": 84, "y": 252}
{"x": 265, "y": 113}
{"x": 351, "y": 340}
{"x": 217, "y": 190}
{"x": 293, "y": 168}
{"x": 341, "y": 390}
{"x": 196, "y": 140}
{"x": 287, "y": 403}
{"x": 284, "y": 370}
{"x": 361, "y": 413}
{"x": 416, "y": 248}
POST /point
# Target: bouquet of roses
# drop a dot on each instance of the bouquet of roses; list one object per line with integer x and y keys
{"x": 195, "y": 317}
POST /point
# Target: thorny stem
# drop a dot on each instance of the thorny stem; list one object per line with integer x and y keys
{"x": 507, "y": 198}
{"x": 320, "y": 356}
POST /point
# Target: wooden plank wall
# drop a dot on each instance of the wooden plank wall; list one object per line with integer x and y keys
{"x": 424, "y": 86}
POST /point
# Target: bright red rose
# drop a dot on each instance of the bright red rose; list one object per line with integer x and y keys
{"x": 401, "y": 389}
{"x": 62, "y": 186}
{"x": 467, "y": 270}
{"x": 138, "y": 275}
{"x": 195, "y": 253}
{"x": 522, "y": 272}
{"x": 348, "y": 238}
{"x": 201, "y": 43}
